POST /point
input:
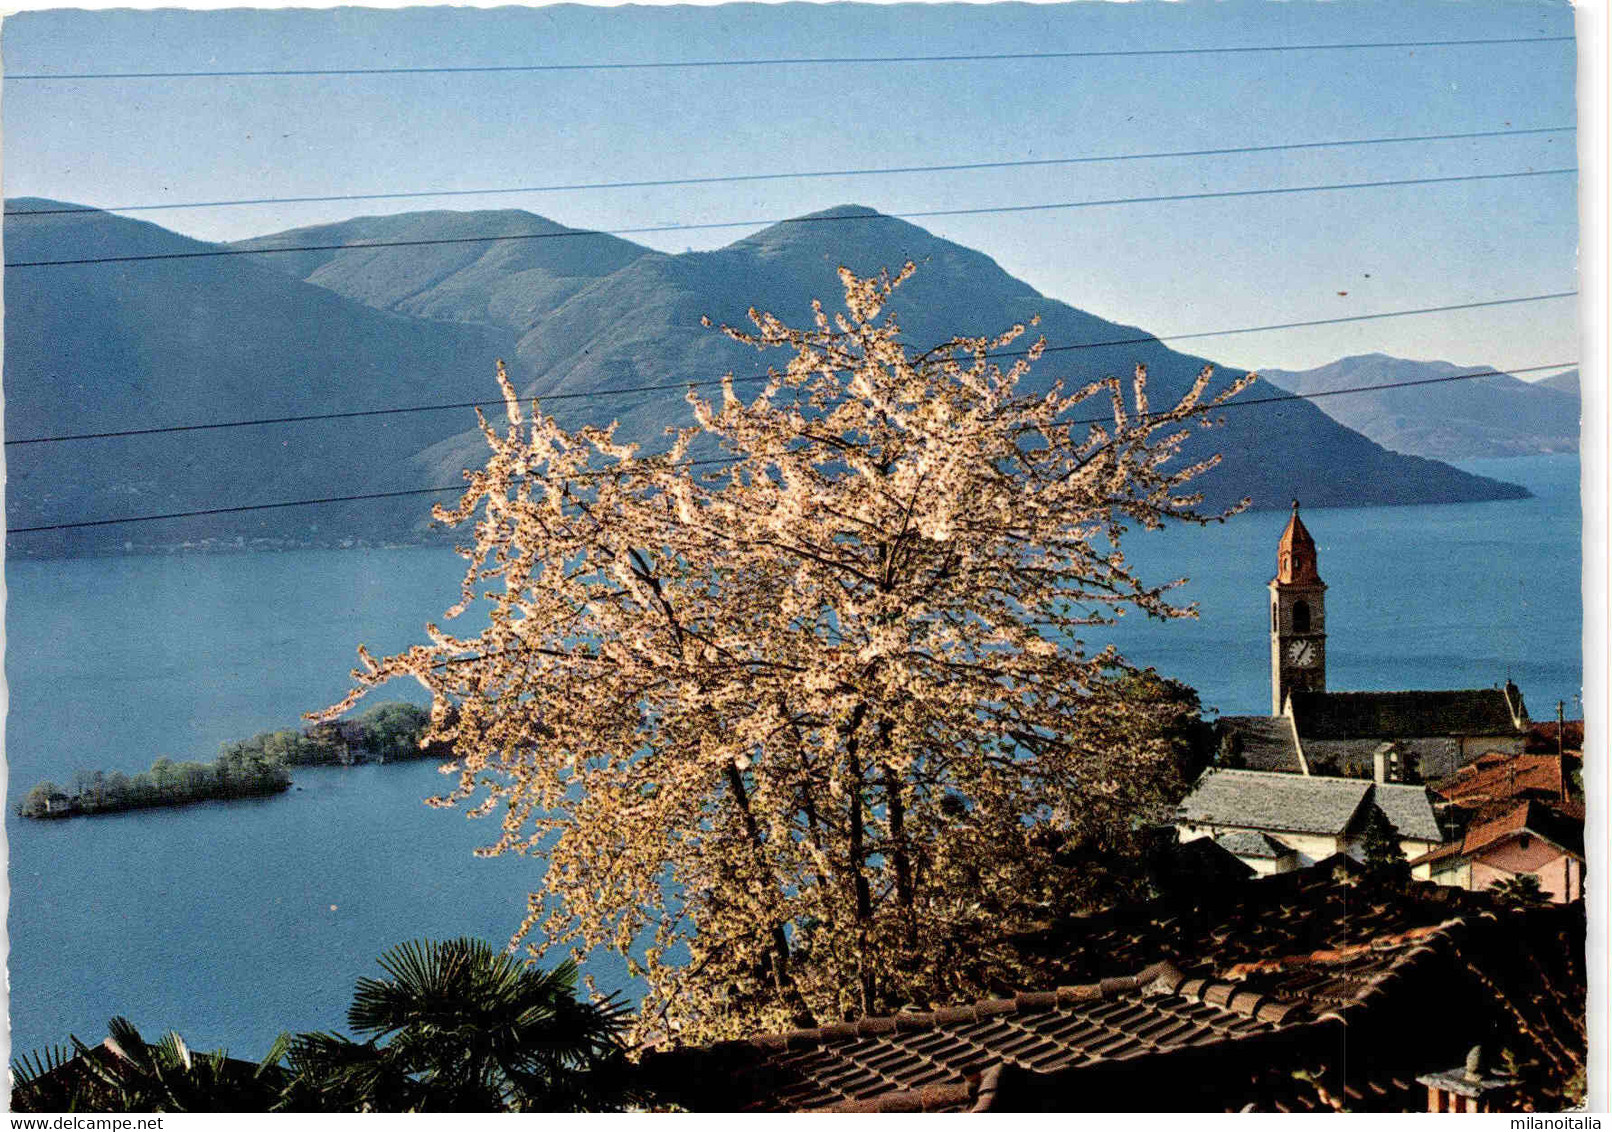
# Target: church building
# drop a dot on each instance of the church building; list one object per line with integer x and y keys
{"x": 1312, "y": 778}
{"x": 1390, "y": 736}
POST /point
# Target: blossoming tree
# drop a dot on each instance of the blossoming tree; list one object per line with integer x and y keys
{"x": 807, "y": 728}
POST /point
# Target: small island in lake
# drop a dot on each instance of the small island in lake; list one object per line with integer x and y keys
{"x": 246, "y": 768}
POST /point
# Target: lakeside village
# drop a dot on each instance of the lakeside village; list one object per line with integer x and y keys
{"x": 1372, "y": 901}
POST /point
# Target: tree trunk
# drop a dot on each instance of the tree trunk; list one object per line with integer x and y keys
{"x": 855, "y": 852}
{"x": 901, "y": 854}
{"x": 780, "y": 938}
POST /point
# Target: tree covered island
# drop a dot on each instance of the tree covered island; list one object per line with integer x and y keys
{"x": 244, "y": 768}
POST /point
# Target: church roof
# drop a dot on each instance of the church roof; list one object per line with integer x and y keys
{"x": 1262, "y": 742}
{"x": 1295, "y": 554}
{"x": 1402, "y": 715}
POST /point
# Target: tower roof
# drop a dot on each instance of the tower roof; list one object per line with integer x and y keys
{"x": 1295, "y": 554}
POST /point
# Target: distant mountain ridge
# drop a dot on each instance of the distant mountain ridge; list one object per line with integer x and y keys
{"x": 640, "y": 325}
{"x": 114, "y": 346}
{"x": 98, "y": 347}
{"x": 1491, "y": 416}
{"x": 1564, "y": 382}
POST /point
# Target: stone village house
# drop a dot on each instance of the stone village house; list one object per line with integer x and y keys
{"x": 1279, "y": 822}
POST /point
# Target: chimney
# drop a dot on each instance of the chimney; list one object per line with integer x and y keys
{"x": 1385, "y": 765}
{"x": 1475, "y": 1087}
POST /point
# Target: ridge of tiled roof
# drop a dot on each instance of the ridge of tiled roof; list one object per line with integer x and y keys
{"x": 1347, "y": 951}
{"x": 940, "y": 1060}
{"x": 1443, "y": 852}
{"x": 1324, "y": 970}
{"x": 1331, "y": 904}
{"x": 970, "y": 1012}
{"x": 1403, "y": 715}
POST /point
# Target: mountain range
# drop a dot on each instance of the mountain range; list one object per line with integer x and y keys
{"x": 1564, "y": 382}
{"x": 1444, "y": 416}
{"x": 197, "y": 337}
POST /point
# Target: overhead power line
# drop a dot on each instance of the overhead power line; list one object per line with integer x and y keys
{"x": 783, "y": 61}
{"x": 367, "y": 496}
{"x": 699, "y": 382}
{"x": 804, "y": 175}
{"x": 218, "y": 253}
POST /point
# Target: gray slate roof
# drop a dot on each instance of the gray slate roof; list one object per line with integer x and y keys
{"x": 1409, "y": 810}
{"x": 1402, "y": 715}
{"x": 1265, "y": 742}
{"x": 1253, "y": 799}
{"x": 1242, "y": 844}
{"x": 1332, "y": 756}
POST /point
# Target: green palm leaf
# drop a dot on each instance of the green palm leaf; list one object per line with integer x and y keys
{"x": 474, "y": 1029}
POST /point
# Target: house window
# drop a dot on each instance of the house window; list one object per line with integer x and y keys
{"x": 1301, "y": 617}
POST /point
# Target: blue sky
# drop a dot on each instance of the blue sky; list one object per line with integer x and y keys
{"x": 1171, "y": 267}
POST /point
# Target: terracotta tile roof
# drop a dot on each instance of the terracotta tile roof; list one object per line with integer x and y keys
{"x": 935, "y": 1061}
{"x": 1403, "y": 715}
{"x": 1381, "y": 1013}
{"x": 1289, "y": 1026}
{"x": 1498, "y": 776}
{"x": 1527, "y": 816}
{"x": 1542, "y": 736}
{"x": 1331, "y": 905}
{"x": 1295, "y": 554}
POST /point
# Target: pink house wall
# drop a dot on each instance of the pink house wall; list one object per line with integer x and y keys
{"x": 1560, "y": 874}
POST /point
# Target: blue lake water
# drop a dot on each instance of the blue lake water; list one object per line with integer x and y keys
{"x": 234, "y": 922}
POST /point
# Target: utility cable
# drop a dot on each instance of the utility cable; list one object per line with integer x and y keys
{"x": 805, "y": 175}
{"x": 695, "y": 383}
{"x": 217, "y": 253}
{"x": 732, "y": 460}
{"x": 821, "y": 60}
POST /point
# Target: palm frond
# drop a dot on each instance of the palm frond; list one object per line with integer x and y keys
{"x": 30, "y": 1067}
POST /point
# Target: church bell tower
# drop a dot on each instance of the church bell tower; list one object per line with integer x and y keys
{"x": 1298, "y": 617}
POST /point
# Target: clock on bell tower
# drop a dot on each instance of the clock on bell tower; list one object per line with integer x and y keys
{"x": 1298, "y": 617}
